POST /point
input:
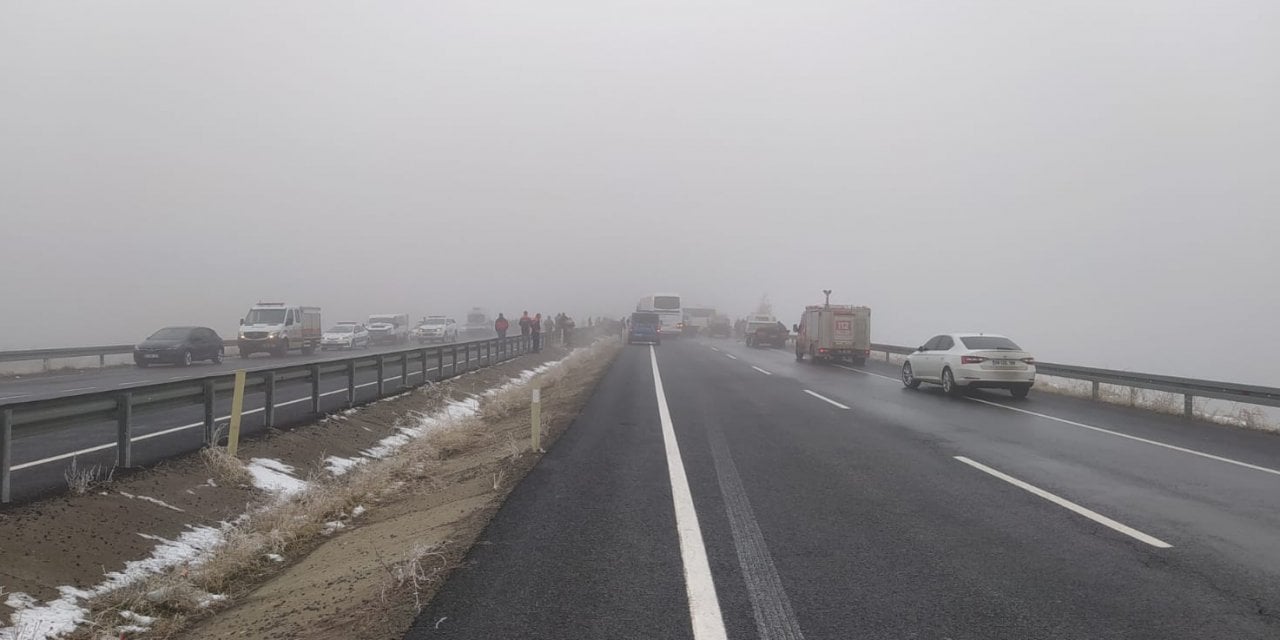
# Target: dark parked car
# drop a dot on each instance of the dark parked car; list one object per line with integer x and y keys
{"x": 180, "y": 346}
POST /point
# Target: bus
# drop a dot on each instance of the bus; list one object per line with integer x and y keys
{"x": 669, "y": 310}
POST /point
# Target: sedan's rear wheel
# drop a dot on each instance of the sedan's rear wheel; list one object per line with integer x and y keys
{"x": 908, "y": 377}
{"x": 949, "y": 385}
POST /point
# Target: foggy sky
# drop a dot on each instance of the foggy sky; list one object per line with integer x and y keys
{"x": 1098, "y": 180}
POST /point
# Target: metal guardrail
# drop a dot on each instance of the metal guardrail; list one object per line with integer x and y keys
{"x": 123, "y": 405}
{"x": 1189, "y": 388}
{"x": 65, "y": 352}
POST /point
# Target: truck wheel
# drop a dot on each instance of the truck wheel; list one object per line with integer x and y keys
{"x": 813, "y": 355}
{"x": 308, "y": 349}
{"x": 799, "y": 355}
{"x": 282, "y": 350}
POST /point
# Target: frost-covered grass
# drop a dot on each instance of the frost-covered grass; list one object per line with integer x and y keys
{"x": 299, "y": 510}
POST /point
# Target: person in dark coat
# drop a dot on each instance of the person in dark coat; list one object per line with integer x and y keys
{"x": 501, "y": 325}
{"x": 525, "y": 322}
{"x": 535, "y": 332}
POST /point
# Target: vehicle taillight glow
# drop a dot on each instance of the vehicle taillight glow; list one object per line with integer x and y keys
{"x": 972, "y": 359}
{"x": 1029, "y": 360}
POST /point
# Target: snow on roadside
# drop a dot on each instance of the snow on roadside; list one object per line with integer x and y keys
{"x": 274, "y": 476}
{"x": 32, "y": 620}
{"x": 155, "y": 501}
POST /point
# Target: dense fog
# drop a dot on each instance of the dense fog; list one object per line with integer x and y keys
{"x": 1096, "y": 180}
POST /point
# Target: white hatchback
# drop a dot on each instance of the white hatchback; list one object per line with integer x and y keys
{"x": 963, "y": 361}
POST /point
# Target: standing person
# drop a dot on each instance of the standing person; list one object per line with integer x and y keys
{"x": 525, "y": 322}
{"x": 535, "y": 331}
{"x": 566, "y": 330}
{"x": 501, "y": 325}
{"x": 549, "y": 327}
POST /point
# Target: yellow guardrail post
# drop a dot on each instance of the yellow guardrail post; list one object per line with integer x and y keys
{"x": 535, "y": 411}
{"x": 237, "y": 405}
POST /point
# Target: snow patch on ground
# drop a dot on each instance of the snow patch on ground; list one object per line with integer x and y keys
{"x": 339, "y": 466}
{"x": 274, "y": 476}
{"x": 152, "y": 501}
{"x": 358, "y": 511}
{"x": 34, "y": 621}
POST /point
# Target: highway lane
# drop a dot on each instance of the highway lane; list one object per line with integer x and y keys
{"x": 835, "y": 504}
{"x": 41, "y": 457}
{"x": 49, "y": 385}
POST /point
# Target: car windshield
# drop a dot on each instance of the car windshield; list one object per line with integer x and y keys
{"x": 475, "y": 318}
{"x": 990, "y": 342}
{"x": 342, "y": 328}
{"x": 265, "y": 316}
{"x": 666, "y": 303}
{"x": 434, "y": 322}
{"x": 170, "y": 333}
{"x": 385, "y": 319}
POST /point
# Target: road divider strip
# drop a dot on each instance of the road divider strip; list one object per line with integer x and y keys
{"x": 1157, "y": 443}
{"x": 825, "y": 399}
{"x": 704, "y": 605}
{"x": 1069, "y": 505}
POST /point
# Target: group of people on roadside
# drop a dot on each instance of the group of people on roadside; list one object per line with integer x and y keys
{"x": 532, "y": 327}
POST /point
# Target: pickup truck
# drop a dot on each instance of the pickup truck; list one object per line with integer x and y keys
{"x": 766, "y": 331}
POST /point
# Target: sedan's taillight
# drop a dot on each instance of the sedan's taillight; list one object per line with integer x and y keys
{"x": 972, "y": 359}
{"x": 1029, "y": 360}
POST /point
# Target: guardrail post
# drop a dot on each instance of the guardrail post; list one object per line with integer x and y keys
{"x": 382, "y": 365}
{"x": 404, "y": 369}
{"x": 124, "y": 430}
{"x": 269, "y": 399}
{"x": 1093, "y": 393}
{"x": 315, "y": 389}
{"x": 208, "y": 413}
{"x": 102, "y": 360}
{"x": 454, "y": 353}
{"x": 886, "y": 356}
{"x": 1188, "y": 405}
{"x": 46, "y": 365}
{"x": 6, "y": 455}
{"x": 439, "y": 363}
{"x": 425, "y": 379}
{"x": 351, "y": 383}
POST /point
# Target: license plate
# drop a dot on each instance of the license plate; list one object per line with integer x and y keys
{"x": 1002, "y": 362}
{"x": 151, "y": 356}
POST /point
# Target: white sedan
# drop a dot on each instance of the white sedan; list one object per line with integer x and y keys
{"x": 963, "y": 361}
{"x": 345, "y": 335}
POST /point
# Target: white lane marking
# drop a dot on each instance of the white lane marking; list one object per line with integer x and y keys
{"x": 78, "y": 389}
{"x": 1134, "y": 438}
{"x": 716, "y": 349}
{"x": 1063, "y": 502}
{"x": 761, "y": 370}
{"x": 20, "y": 395}
{"x": 285, "y": 404}
{"x": 868, "y": 373}
{"x": 178, "y": 378}
{"x": 704, "y": 606}
{"x": 130, "y": 384}
{"x": 730, "y": 356}
{"x": 825, "y": 399}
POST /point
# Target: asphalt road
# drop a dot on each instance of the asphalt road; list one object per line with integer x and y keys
{"x": 789, "y": 500}
{"x": 48, "y": 385}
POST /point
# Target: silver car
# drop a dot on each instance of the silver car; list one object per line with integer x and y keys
{"x": 963, "y": 361}
{"x": 344, "y": 335}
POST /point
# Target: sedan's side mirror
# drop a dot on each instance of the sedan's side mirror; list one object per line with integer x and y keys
{"x": 921, "y": 348}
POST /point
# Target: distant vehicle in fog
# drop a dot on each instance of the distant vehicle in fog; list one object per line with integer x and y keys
{"x": 720, "y": 327}
{"x": 180, "y": 346}
{"x": 644, "y": 328}
{"x": 436, "y": 329}
{"x": 389, "y": 328}
{"x": 765, "y": 331}
{"x": 669, "y": 309}
{"x": 478, "y": 324}
{"x": 345, "y": 335}
{"x": 697, "y": 320}
{"x": 275, "y": 328}
{"x": 834, "y": 332}
{"x": 963, "y": 361}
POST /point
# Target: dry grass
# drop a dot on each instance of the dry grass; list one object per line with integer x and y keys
{"x": 278, "y": 526}
{"x": 226, "y": 468}
{"x": 82, "y": 480}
